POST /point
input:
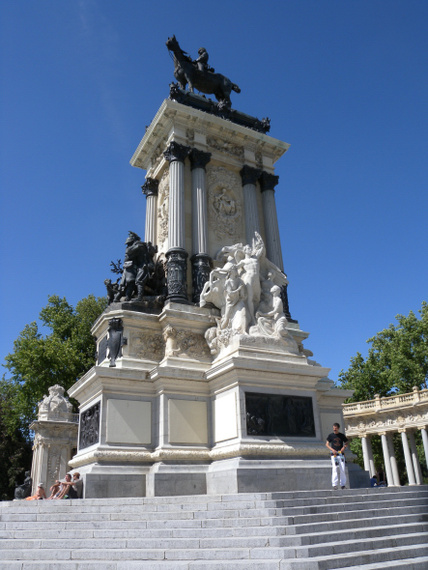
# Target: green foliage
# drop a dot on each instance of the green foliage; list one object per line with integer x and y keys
{"x": 15, "y": 450}
{"x": 396, "y": 361}
{"x": 38, "y": 362}
{"x": 60, "y": 357}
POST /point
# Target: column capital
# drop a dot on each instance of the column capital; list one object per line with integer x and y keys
{"x": 150, "y": 187}
{"x": 249, "y": 174}
{"x": 268, "y": 181}
{"x": 176, "y": 152}
{"x": 199, "y": 158}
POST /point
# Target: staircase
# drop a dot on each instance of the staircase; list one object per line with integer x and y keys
{"x": 302, "y": 530}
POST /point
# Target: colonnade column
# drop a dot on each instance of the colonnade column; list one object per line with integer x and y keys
{"x": 408, "y": 458}
{"x": 250, "y": 177}
{"x": 415, "y": 458}
{"x": 150, "y": 189}
{"x": 393, "y": 461}
{"x": 386, "y": 459}
{"x": 368, "y": 455}
{"x": 273, "y": 242}
{"x": 425, "y": 442}
{"x": 176, "y": 255}
{"x": 201, "y": 262}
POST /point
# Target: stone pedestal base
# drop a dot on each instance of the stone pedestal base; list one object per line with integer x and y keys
{"x": 169, "y": 418}
{"x": 230, "y": 476}
{"x": 253, "y": 476}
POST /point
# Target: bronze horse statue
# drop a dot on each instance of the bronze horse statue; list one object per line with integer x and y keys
{"x": 187, "y": 72}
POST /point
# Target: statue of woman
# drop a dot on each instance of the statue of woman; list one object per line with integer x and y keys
{"x": 235, "y": 314}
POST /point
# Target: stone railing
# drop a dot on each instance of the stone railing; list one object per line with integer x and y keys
{"x": 386, "y": 403}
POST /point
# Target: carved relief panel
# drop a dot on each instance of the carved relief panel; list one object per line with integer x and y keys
{"x": 225, "y": 206}
{"x": 163, "y": 206}
{"x": 147, "y": 345}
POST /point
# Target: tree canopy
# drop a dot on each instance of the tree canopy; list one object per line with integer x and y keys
{"x": 396, "y": 361}
{"x": 59, "y": 351}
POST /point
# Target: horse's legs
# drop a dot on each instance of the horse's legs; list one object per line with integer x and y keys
{"x": 181, "y": 78}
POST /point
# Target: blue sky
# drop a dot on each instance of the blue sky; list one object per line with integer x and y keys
{"x": 345, "y": 83}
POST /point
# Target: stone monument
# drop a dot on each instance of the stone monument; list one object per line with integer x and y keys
{"x": 55, "y": 437}
{"x": 202, "y": 383}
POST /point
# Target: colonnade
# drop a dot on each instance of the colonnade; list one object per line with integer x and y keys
{"x": 404, "y": 414}
{"x": 413, "y": 468}
{"x": 176, "y": 155}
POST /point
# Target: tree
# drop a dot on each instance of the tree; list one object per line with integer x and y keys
{"x": 396, "y": 361}
{"x": 15, "y": 449}
{"x": 40, "y": 361}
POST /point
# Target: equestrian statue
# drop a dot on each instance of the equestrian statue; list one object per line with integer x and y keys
{"x": 199, "y": 75}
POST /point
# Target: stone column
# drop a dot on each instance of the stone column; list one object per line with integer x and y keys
{"x": 368, "y": 455}
{"x": 273, "y": 242}
{"x": 408, "y": 458}
{"x": 176, "y": 255}
{"x": 249, "y": 177}
{"x": 387, "y": 459}
{"x": 201, "y": 262}
{"x": 415, "y": 458}
{"x": 393, "y": 461}
{"x": 425, "y": 443}
{"x": 150, "y": 189}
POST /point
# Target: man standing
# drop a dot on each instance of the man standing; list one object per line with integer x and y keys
{"x": 337, "y": 443}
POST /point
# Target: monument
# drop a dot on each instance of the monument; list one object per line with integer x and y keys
{"x": 202, "y": 383}
{"x": 55, "y": 436}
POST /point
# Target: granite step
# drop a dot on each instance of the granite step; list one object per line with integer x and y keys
{"x": 227, "y": 549}
{"x": 418, "y": 563}
{"x": 69, "y": 511}
{"x": 302, "y": 530}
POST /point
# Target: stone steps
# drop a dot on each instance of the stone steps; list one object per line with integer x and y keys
{"x": 297, "y": 531}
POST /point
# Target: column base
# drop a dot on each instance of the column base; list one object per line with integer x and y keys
{"x": 201, "y": 267}
{"x": 176, "y": 266}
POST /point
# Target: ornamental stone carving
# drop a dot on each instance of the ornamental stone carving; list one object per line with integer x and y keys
{"x": 55, "y": 406}
{"x": 54, "y": 462}
{"x": 146, "y": 345}
{"x": 225, "y": 205}
{"x": 163, "y": 209}
{"x": 226, "y": 147}
{"x": 184, "y": 343}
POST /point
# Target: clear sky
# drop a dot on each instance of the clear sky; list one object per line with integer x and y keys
{"x": 344, "y": 82}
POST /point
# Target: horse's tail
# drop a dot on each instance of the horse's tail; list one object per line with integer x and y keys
{"x": 236, "y": 88}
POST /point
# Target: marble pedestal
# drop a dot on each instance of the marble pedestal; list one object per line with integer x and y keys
{"x": 170, "y": 418}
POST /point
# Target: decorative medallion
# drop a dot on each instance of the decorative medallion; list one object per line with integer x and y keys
{"x": 225, "y": 208}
